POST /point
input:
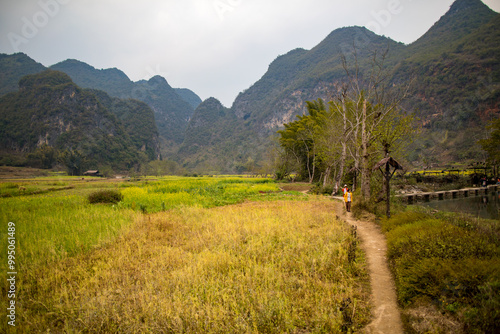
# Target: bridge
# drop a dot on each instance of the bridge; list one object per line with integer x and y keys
{"x": 440, "y": 195}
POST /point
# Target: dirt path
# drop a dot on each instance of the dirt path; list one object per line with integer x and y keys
{"x": 386, "y": 316}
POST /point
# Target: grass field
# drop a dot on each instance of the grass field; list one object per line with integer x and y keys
{"x": 180, "y": 255}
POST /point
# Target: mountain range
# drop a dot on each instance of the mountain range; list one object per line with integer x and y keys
{"x": 454, "y": 70}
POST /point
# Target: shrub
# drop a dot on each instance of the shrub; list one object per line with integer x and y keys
{"x": 319, "y": 189}
{"x": 447, "y": 262}
{"x": 361, "y": 207}
{"x": 403, "y": 218}
{"x": 105, "y": 196}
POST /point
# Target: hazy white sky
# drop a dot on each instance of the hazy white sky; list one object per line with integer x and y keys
{"x": 213, "y": 47}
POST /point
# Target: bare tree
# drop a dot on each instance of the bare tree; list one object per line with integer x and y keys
{"x": 376, "y": 107}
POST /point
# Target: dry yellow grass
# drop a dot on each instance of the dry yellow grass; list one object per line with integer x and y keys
{"x": 267, "y": 267}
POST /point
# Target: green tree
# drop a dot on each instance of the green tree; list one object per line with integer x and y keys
{"x": 43, "y": 157}
{"x": 74, "y": 161}
{"x": 300, "y": 139}
{"x": 492, "y": 144}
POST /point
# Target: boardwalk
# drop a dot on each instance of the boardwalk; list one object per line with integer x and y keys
{"x": 440, "y": 195}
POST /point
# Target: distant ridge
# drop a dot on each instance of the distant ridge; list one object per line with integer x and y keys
{"x": 463, "y": 18}
{"x": 189, "y": 96}
{"x": 112, "y": 81}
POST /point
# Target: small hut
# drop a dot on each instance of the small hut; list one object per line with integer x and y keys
{"x": 92, "y": 173}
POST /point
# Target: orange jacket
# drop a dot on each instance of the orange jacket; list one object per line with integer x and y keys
{"x": 348, "y": 196}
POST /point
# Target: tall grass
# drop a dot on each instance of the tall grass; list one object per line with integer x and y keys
{"x": 55, "y": 225}
{"x": 261, "y": 267}
{"x": 10, "y": 189}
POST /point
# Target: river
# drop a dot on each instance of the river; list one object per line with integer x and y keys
{"x": 487, "y": 206}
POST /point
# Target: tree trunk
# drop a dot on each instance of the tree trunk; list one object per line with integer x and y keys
{"x": 355, "y": 178}
{"x": 327, "y": 174}
{"x": 387, "y": 177}
{"x": 365, "y": 170}
{"x": 314, "y": 167}
{"x": 308, "y": 163}
{"x": 344, "y": 149}
{"x": 356, "y": 167}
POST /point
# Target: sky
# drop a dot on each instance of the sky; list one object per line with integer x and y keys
{"x": 216, "y": 48}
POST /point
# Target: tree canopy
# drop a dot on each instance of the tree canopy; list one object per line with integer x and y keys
{"x": 492, "y": 144}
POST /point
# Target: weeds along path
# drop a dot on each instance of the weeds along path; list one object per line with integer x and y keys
{"x": 386, "y": 315}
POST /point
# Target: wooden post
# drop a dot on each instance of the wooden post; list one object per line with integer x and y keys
{"x": 388, "y": 190}
{"x": 388, "y": 162}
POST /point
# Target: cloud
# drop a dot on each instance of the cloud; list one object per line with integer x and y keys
{"x": 214, "y": 47}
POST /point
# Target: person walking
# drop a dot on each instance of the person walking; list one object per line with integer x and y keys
{"x": 348, "y": 199}
{"x": 344, "y": 189}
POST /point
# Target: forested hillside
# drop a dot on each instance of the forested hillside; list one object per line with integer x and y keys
{"x": 213, "y": 130}
{"x": 456, "y": 90}
{"x": 13, "y": 68}
{"x": 172, "y": 107}
{"x": 189, "y": 96}
{"x": 50, "y": 120}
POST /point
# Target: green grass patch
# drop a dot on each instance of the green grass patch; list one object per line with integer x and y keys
{"x": 207, "y": 192}
{"x": 266, "y": 265}
{"x": 51, "y": 227}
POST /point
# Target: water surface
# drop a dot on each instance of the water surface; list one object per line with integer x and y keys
{"x": 484, "y": 206}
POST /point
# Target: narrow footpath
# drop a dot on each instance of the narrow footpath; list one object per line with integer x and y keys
{"x": 385, "y": 314}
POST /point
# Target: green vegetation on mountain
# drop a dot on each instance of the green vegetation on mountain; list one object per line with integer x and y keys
{"x": 171, "y": 111}
{"x": 172, "y": 107}
{"x": 200, "y": 130}
{"x": 453, "y": 70}
{"x": 189, "y": 96}
{"x": 463, "y": 18}
{"x": 13, "y": 68}
{"x": 456, "y": 92}
{"x": 138, "y": 120}
{"x": 49, "y": 110}
{"x": 112, "y": 81}
{"x": 207, "y": 138}
{"x": 304, "y": 75}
